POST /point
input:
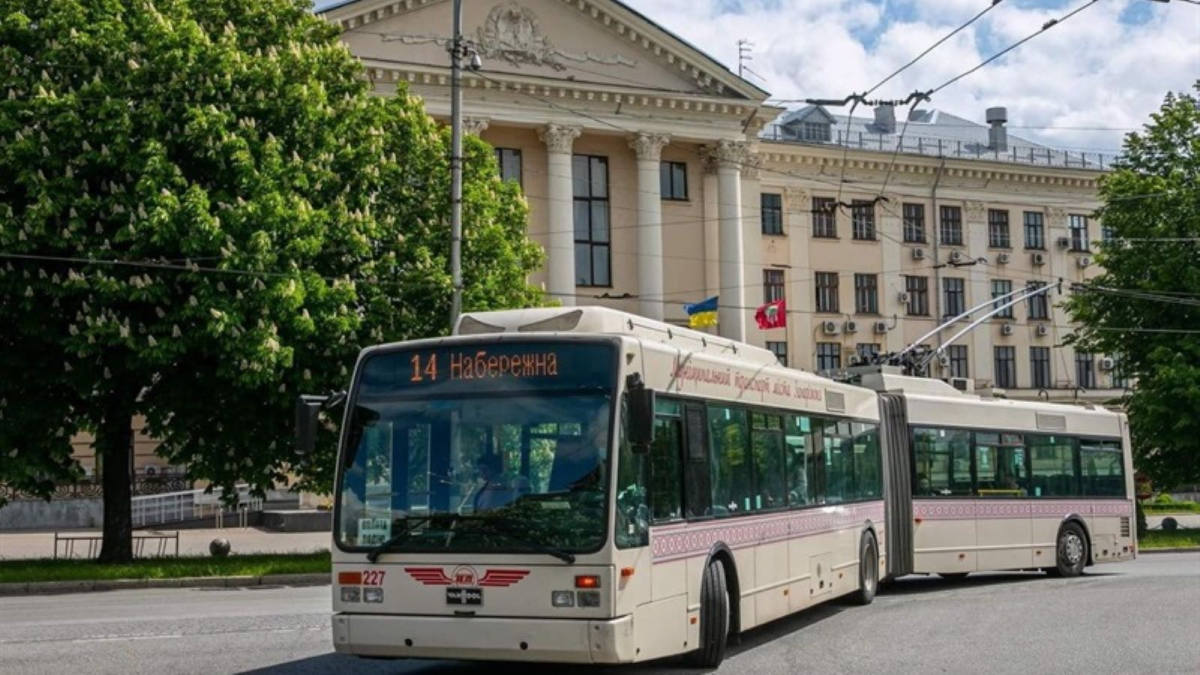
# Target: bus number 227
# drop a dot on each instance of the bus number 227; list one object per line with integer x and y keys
{"x": 373, "y": 577}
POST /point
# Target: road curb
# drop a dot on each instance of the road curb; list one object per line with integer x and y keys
{"x": 1185, "y": 549}
{"x": 63, "y": 587}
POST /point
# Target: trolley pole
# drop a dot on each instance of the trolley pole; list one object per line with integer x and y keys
{"x": 457, "y": 50}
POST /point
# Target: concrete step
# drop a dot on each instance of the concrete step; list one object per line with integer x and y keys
{"x": 298, "y": 521}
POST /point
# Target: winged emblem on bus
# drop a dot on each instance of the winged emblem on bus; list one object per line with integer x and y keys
{"x": 436, "y": 576}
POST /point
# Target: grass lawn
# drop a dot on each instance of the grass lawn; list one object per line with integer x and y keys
{"x": 28, "y": 571}
{"x": 1163, "y": 539}
{"x": 1173, "y": 507}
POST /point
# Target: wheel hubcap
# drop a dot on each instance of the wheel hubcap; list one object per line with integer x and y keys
{"x": 1072, "y": 548}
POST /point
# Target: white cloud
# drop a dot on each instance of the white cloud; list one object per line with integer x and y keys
{"x": 1092, "y": 71}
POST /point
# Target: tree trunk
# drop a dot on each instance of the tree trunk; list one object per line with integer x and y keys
{"x": 114, "y": 443}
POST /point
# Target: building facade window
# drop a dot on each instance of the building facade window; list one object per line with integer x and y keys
{"x": 862, "y": 213}
{"x": 772, "y": 285}
{"x": 918, "y": 295}
{"x": 827, "y": 291}
{"x": 914, "y": 223}
{"x": 1039, "y": 367}
{"x": 593, "y": 266}
{"x": 954, "y": 296}
{"x": 673, "y": 180}
{"x": 1119, "y": 374}
{"x": 1079, "y": 233}
{"x": 779, "y": 349}
{"x": 951, "y": 225}
{"x": 1039, "y": 305}
{"x": 998, "y": 234}
{"x": 815, "y": 131}
{"x": 1035, "y": 231}
{"x": 1000, "y": 288}
{"x": 866, "y": 351}
{"x": 772, "y": 213}
{"x": 824, "y": 217}
{"x": 1085, "y": 370}
{"x": 509, "y": 161}
{"x": 1107, "y": 234}
{"x": 1006, "y": 367}
{"x": 866, "y": 293}
{"x": 829, "y": 356}
{"x": 959, "y": 366}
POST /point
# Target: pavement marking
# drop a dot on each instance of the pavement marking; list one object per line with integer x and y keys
{"x": 124, "y": 638}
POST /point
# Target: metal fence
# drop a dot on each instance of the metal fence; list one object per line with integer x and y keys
{"x": 93, "y": 488}
{"x": 963, "y": 149}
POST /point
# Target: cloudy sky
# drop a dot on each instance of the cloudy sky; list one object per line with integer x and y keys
{"x": 1079, "y": 85}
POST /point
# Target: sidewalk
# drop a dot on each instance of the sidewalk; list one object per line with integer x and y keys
{"x": 25, "y": 545}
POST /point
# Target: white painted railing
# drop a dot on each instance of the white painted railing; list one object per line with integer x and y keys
{"x": 173, "y": 507}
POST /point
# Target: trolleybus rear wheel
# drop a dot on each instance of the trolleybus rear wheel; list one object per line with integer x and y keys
{"x": 1071, "y": 552}
{"x": 868, "y": 570}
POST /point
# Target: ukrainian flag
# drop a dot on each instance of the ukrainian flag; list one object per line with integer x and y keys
{"x": 703, "y": 313}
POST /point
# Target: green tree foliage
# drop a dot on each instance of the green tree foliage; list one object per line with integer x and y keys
{"x": 270, "y": 217}
{"x": 1152, "y": 213}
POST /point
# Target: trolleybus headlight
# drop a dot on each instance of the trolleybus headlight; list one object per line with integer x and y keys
{"x": 372, "y": 594}
{"x": 589, "y": 598}
{"x": 351, "y": 593}
{"x": 562, "y": 598}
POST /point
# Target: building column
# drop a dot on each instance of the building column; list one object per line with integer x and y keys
{"x": 797, "y": 212}
{"x": 730, "y": 157}
{"x": 560, "y": 243}
{"x": 650, "y": 235}
{"x": 979, "y": 287}
{"x": 753, "y": 255}
{"x": 891, "y": 281}
{"x": 712, "y": 222}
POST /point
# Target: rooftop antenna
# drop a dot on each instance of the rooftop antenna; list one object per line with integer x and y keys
{"x": 745, "y": 49}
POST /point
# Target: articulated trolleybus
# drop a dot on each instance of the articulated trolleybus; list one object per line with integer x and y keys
{"x": 584, "y": 485}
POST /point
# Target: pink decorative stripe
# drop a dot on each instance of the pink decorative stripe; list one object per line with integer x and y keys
{"x": 969, "y": 509}
{"x": 685, "y": 540}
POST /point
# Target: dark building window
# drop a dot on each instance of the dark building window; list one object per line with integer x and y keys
{"x": 866, "y": 293}
{"x": 1039, "y": 305}
{"x": 829, "y": 356}
{"x": 593, "y": 266}
{"x": 914, "y": 223}
{"x": 951, "y": 225}
{"x": 862, "y": 213}
{"x": 1035, "y": 231}
{"x": 772, "y": 213}
{"x": 772, "y": 285}
{"x": 1001, "y": 288}
{"x": 998, "y": 235}
{"x": 959, "y": 367}
{"x": 954, "y": 296}
{"x": 815, "y": 131}
{"x": 824, "y": 217}
{"x": 673, "y": 180}
{"x": 1039, "y": 367}
{"x": 1085, "y": 370}
{"x": 866, "y": 351}
{"x": 509, "y": 161}
{"x": 918, "y": 295}
{"x": 1079, "y": 233}
{"x": 827, "y": 291}
{"x": 779, "y": 349}
{"x": 1006, "y": 367}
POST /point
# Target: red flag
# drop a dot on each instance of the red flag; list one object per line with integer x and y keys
{"x": 772, "y": 315}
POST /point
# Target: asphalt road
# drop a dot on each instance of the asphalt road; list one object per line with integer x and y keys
{"x": 1139, "y": 617}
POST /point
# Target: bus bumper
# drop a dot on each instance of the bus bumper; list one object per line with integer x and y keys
{"x": 493, "y": 639}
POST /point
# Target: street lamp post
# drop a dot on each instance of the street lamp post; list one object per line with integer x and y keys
{"x": 457, "y": 49}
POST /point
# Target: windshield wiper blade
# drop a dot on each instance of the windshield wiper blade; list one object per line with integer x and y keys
{"x": 410, "y": 525}
{"x": 506, "y": 528}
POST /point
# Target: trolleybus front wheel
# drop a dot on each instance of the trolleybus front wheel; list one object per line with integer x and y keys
{"x": 714, "y": 618}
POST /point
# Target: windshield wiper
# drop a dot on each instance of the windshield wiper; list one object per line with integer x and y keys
{"x": 506, "y": 528}
{"x": 410, "y": 525}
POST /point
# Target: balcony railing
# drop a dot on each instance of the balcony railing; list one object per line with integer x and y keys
{"x": 915, "y": 144}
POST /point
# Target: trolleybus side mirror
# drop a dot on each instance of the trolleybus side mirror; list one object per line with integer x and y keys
{"x": 308, "y": 409}
{"x": 641, "y": 419}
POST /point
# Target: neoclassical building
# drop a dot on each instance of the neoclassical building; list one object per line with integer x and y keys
{"x": 656, "y": 177}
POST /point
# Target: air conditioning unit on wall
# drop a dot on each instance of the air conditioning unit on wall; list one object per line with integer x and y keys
{"x": 1038, "y": 259}
{"x": 851, "y": 326}
{"x": 903, "y": 298}
{"x": 830, "y": 327}
{"x": 881, "y": 327}
{"x": 918, "y": 254}
{"x": 1003, "y": 259}
{"x": 1006, "y": 329}
{"x": 1043, "y": 330}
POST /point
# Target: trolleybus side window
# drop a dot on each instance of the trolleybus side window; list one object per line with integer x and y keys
{"x": 798, "y": 445}
{"x": 632, "y": 512}
{"x": 868, "y": 463}
{"x": 1053, "y": 466}
{"x": 839, "y": 462}
{"x": 666, "y": 465}
{"x": 767, "y": 441}
{"x": 941, "y": 462}
{"x": 696, "y": 481}
{"x": 1000, "y": 465}
{"x": 732, "y": 482}
{"x": 1102, "y": 466}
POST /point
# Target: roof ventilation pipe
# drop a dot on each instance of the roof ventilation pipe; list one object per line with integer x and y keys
{"x": 885, "y": 118}
{"x": 997, "y": 133}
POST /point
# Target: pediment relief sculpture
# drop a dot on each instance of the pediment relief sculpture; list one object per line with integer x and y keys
{"x": 511, "y": 33}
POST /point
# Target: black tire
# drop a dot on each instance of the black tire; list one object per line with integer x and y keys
{"x": 953, "y": 576}
{"x": 714, "y": 618}
{"x": 868, "y": 570}
{"x": 1071, "y": 552}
